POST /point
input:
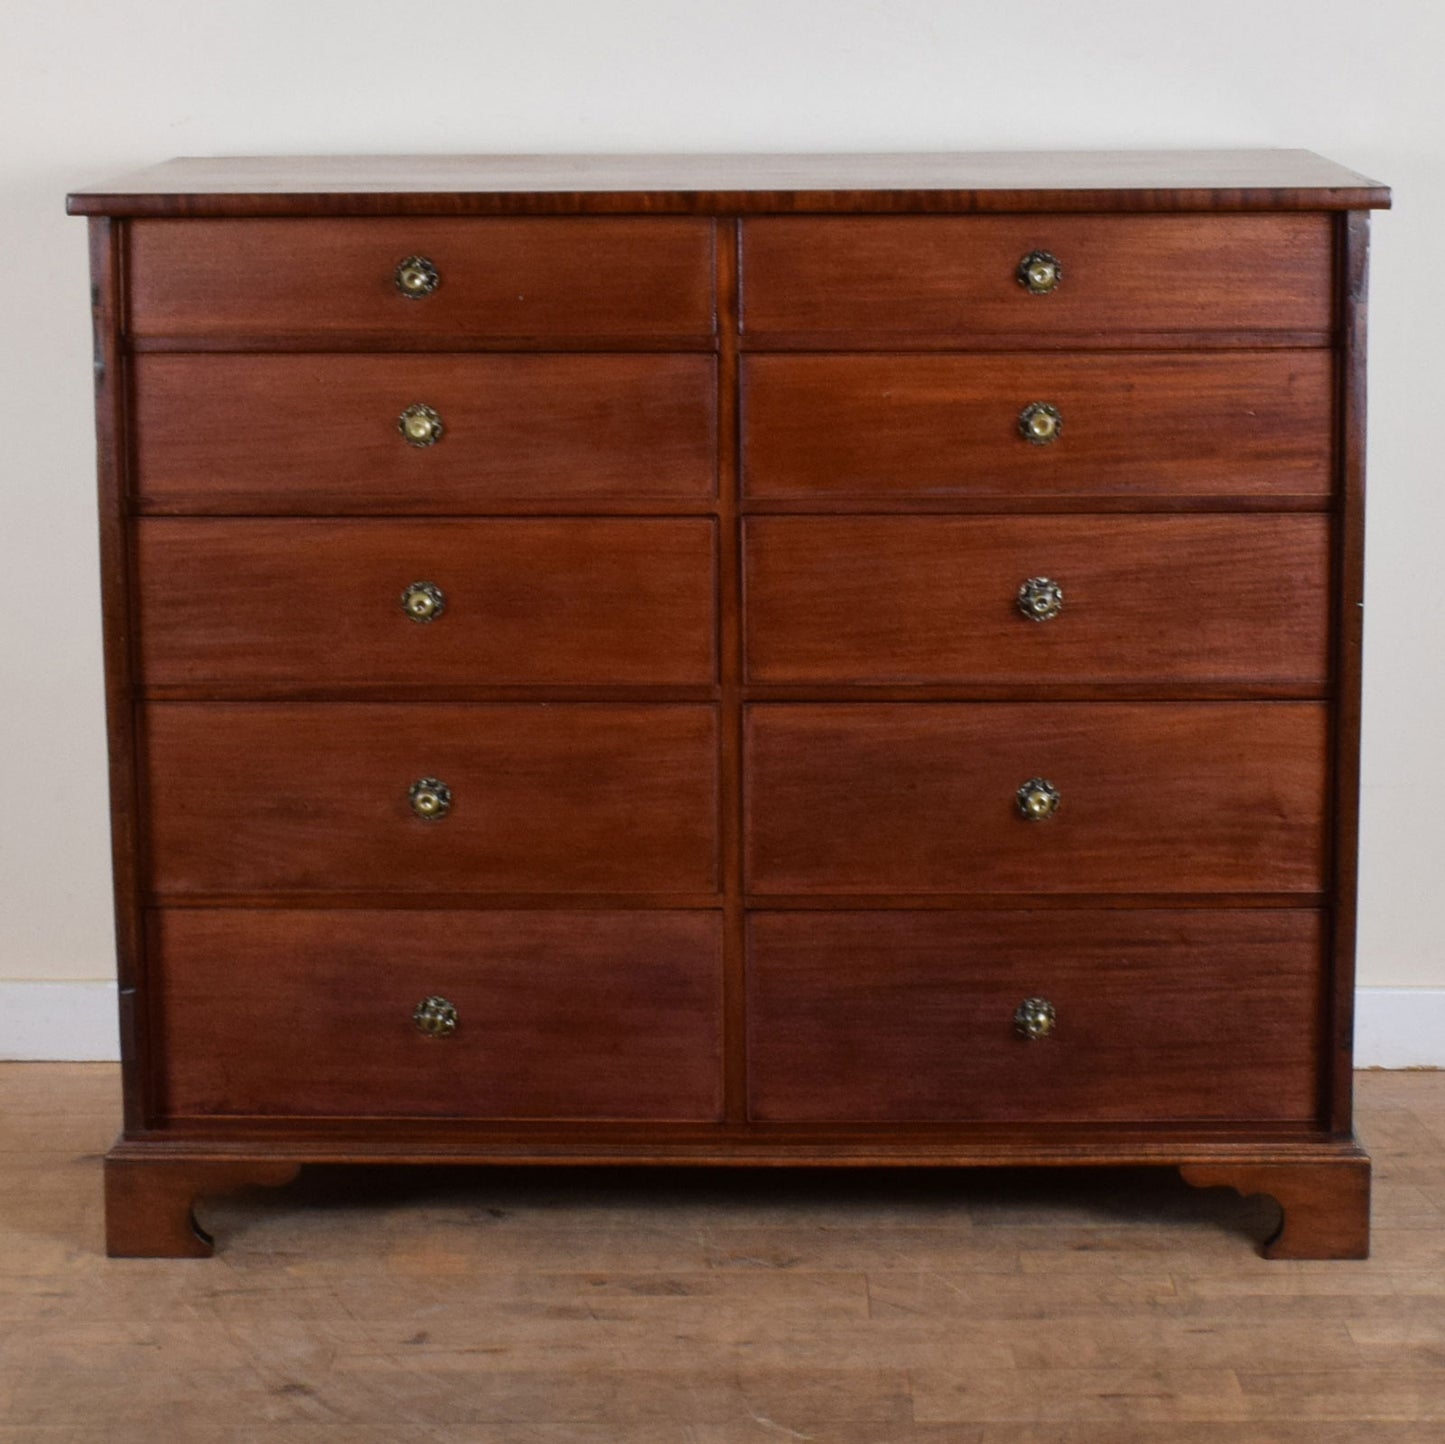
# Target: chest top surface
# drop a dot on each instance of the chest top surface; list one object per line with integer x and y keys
{"x": 943, "y": 182}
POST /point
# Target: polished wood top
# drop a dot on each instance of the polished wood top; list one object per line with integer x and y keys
{"x": 1000, "y": 181}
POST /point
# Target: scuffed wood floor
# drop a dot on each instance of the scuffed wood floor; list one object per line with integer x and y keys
{"x": 579, "y": 1307}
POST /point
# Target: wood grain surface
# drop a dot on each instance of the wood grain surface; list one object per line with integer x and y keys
{"x": 901, "y": 601}
{"x": 670, "y": 729}
{"x": 127, "y": 820}
{"x": 832, "y": 280}
{"x": 1352, "y": 278}
{"x": 896, "y": 1016}
{"x": 560, "y": 1015}
{"x": 318, "y": 433}
{"x": 314, "y": 797}
{"x": 617, "y": 279}
{"x": 1322, "y": 1216}
{"x": 940, "y": 181}
{"x": 1161, "y": 424}
{"x": 1156, "y": 797}
{"x": 317, "y": 603}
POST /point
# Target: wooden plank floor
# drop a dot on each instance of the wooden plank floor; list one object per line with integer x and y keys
{"x": 578, "y": 1307}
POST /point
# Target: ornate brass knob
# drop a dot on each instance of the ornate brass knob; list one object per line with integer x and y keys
{"x": 423, "y": 601}
{"x": 420, "y": 426}
{"x": 1039, "y": 273}
{"x": 430, "y": 799}
{"x": 1040, "y": 423}
{"x": 417, "y": 277}
{"x": 1040, "y": 599}
{"x": 1038, "y": 799}
{"x": 436, "y": 1017}
{"x": 1034, "y": 1018}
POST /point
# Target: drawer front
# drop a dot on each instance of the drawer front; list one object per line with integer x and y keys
{"x": 322, "y": 433}
{"x": 1145, "y": 599}
{"x": 852, "y": 280}
{"x": 558, "y": 1015}
{"x": 1157, "y": 1016}
{"x": 1145, "y": 424}
{"x": 511, "y": 602}
{"x": 265, "y": 281}
{"x": 1154, "y": 797}
{"x": 561, "y": 798}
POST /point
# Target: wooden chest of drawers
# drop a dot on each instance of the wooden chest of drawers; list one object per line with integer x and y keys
{"x": 736, "y": 660}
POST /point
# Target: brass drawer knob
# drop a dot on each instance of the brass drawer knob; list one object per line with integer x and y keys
{"x": 430, "y": 800}
{"x": 417, "y": 277}
{"x": 1040, "y": 599}
{"x": 1039, "y": 273}
{"x": 1038, "y": 799}
{"x": 423, "y": 601}
{"x": 1034, "y": 1018}
{"x": 420, "y": 426}
{"x": 1040, "y": 423}
{"x": 436, "y": 1017}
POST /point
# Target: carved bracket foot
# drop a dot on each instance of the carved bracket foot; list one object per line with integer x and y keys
{"x": 1326, "y": 1205}
{"x": 150, "y": 1203}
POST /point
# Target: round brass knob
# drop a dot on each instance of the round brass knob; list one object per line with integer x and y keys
{"x": 423, "y": 601}
{"x": 420, "y": 426}
{"x": 1039, "y": 273}
{"x": 436, "y": 1017}
{"x": 430, "y": 799}
{"x": 1038, "y": 799}
{"x": 417, "y": 277}
{"x": 1040, "y": 599}
{"x": 1034, "y": 1018}
{"x": 1040, "y": 423}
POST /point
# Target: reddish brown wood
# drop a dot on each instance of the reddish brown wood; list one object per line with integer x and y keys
{"x": 150, "y": 1203}
{"x": 1352, "y": 276}
{"x": 823, "y": 504}
{"x": 560, "y": 1015}
{"x": 408, "y": 692}
{"x": 1135, "y": 180}
{"x": 291, "y": 434}
{"x": 1156, "y": 797}
{"x": 512, "y": 277}
{"x": 314, "y": 797}
{"x": 1035, "y": 901}
{"x": 1119, "y": 344}
{"x": 110, "y": 367}
{"x": 943, "y": 277}
{"x": 934, "y": 600}
{"x": 588, "y": 891}
{"x": 393, "y": 343}
{"x": 316, "y": 604}
{"x": 435, "y": 899}
{"x": 895, "y": 427}
{"x": 1046, "y": 691}
{"x": 730, "y": 713}
{"x": 775, "y": 1145}
{"x": 1325, "y": 1205}
{"x": 1161, "y": 1016}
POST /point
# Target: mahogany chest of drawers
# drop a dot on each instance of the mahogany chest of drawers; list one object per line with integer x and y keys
{"x": 834, "y": 660}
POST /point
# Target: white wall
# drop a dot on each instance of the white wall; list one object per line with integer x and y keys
{"x": 89, "y": 89}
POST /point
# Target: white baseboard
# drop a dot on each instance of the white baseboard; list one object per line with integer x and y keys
{"x": 75, "y": 1022}
{"x": 1400, "y": 1028}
